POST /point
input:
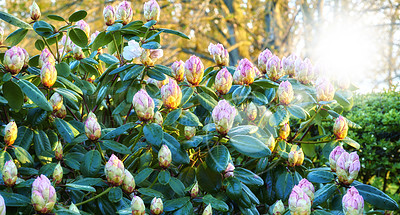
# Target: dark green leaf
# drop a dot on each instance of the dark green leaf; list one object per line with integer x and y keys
{"x": 78, "y": 37}
{"x": 324, "y": 193}
{"x": 64, "y": 129}
{"x": 14, "y": 20}
{"x": 233, "y": 188}
{"x": 56, "y": 17}
{"x": 164, "y": 177}
{"x": 116, "y": 147}
{"x": 151, "y": 45}
{"x": 153, "y": 134}
{"x": 118, "y": 131}
{"x": 169, "y": 31}
{"x": 376, "y": 197}
{"x": 16, "y": 37}
{"x": 320, "y": 177}
{"x": 15, "y": 199}
{"x": 189, "y": 119}
{"x": 248, "y": 177}
{"x": 242, "y": 130}
{"x": 13, "y": 93}
{"x": 156, "y": 75}
{"x": 187, "y": 93}
{"x": 280, "y": 117}
{"x": 150, "y": 192}
{"x": 177, "y": 186}
{"x": 77, "y": 15}
{"x": 143, "y": 175}
{"x": 297, "y": 112}
{"x": 63, "y": 69}
{"x": 218, "y": 158}
{"x": 179, "y": 155}
{"x": 24, "y": 137}
{"x": 284, "y": 185}
{"x": 265, "y": 83}
{"x": 215, "y": 203}
{"x": 23, "y": 156}
{"x": 174, "y": 204}
{"x": 207, "y": 101}
{"x": 115, "y": 194}
{"x": 109, "y": 59}
{"x": 250, "y": 146}
{"x": 35, "y": 95}
{"x": 81, "y": 187}
{"x": 91, "y": 164}
{"x": 172, "y": 116}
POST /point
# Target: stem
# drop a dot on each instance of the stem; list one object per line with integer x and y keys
{"x": 95, "y": 197}
{"x": 76, "y": 118}
{"x": 116, "y": 46}
{"x": 126, "y": 119}
{"x": 134, "y": 142}
{"x": 63, "y": 51}
{"x": 308, "y": 123}
{"x": 101, "y": 152}
{"x": 48, "y": 46}
{"x": 313, "y": 142}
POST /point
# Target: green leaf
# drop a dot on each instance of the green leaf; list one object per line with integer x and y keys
{"x": 233, "y": 188}
{"x": 243, "y": 129}
{"x": 265, "y": 83}
{"x": 174, "y": 204}
{"x": 163, "y": 69}
{"x": 109, "y": 59}
{"x": 101, "y": 40}
{"x": 169, "y": 31}
{"x": 116, "y": 147}
{"x": 280, "y": 117}
{"x": 218, "y": 158}
{"x": 215, "y": 203}
{"x": 172, "y": 116}
{"x": 121, "y": 69}
{"x": 351, "y": 142}
{"x": 320, "y": 177}
{"x": 15, "y": 199}
{"x": 240, "y": 94}
{"x": 4, "y": 157}
{"x": 179, "y": 155}
{"x": 164, "y": 177}
{"x": 187, "y": 93}
{"x": 67, "y": 93}
{"x": 23, "y": 156}
{"x": 150, "y": 23}
{"x": 39, "y": 45}
{"x": 81, "y": 187}
{"x": 16, "y": 37}
{"x": 35, "y": 95}
{"x": 13, "y": 93}
{"x": 376, "y": 197}
{"x": 207, "y": 101}
{"x": 143, "y": 175}
{"x": 114, "y": 27}
{"x": 41, "y": 144}
{"x": 153, "y": 134}
{"x": 150, "y": 192}
{"x": 47, "y": 169}
{"x": 284, "y": 185}
{"x": 151, "y": 45}
{"x": 77, "y": 15}
{"x": 189, "y": 119}
{"x": 63, "y": 69}
{"x": 115, "y": 194}
{"x": 133, "y": 73}
{"x": 259, "y": 98}
{"x": 24, "y": 137}
{"x": 324, "y": 193}
{"x": 118, "y": 131}
{"x": 297, "y": 112}
{"x": 250, "y": 146}
{"x": 43, "y": 28}
{"x": 248, "y": 177}
{"x": 14, "y": 20}
{"x": 64, "y": 129}
{"x": 156, "y": 75}
{"x": 56, "y": 17}
{"x": 177, "y": 186}
{"x": 91, "y": 164}
{"x": 78, "y": 37}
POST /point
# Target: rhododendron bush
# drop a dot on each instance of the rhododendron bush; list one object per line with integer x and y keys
{"x": 94, "y": 125}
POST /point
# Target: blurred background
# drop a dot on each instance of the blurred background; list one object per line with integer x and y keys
{"x": 360, "y": 39}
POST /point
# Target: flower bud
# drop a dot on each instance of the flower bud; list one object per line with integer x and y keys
{"x": 274, "y": 68}
{"x": 2, "y": 206}
{"x": 92, "y": 127}
{"x": 304, "y": 71}
{"x": 251, "y": 111}
{"x": 343, "y": 82}
{"x": 9, "y": 173}
{"x": 194, "y": 70}
{"x": 56, "y": 101}
{"x": 62, "y": 113}
{"x": 178, "y": 70}
{"x": 45, "y": 57}
{"x": 67, "y": 43}
{"x": 151, "y": 10}
{"x": 158, "y": 119}
{"x": 14, "y": 60}
{"x": 171, "y": 94}
{"x": 288, "y": 64}
{"x": 58, "y": 173}
{"x": 44, "y": 195}
{"x": 296, "y": 156}
{"x": 195, "y": 190}
{"x": 143, "y": 105}
{"x": 84, "y": 26}
{"x": 299, "y": 202}
{"x": 270, "y": 142}
{"x": 279, "y": 208}
{"x": 132, "y": 50}
{"x": 285, "y": 93}
{"x": 10, "y": 133}
{"x": 325, "y": 90}
{"x": 340, "y": 128}
{"x": 219, "y": 53}
{"x": 207, "y": 210}
{"x": 58, "y": 150}
{"x": 308, "y": 188}
{"x": 223, "y": 116}
{"x": 284, "y": 131}
{"x": 229, "y": 170}
{"x": 124, "y": 12}
{"x": 190, "y": 132}
{"x": 352, "y": 202}
{"x": 164, "y": 157}
{"x": 244, "y": 73}
{"x": 109, "y": 15}
{"x": 347, "y": 167}
{"x": 26, "y": 58}
{"x": 78, "y": 53}
{"x": 73, "y": 208}
{"x": 93, "y": 37}
{"x": 1, "y": 35}
{"x": 114, "y": 171}
{"x": 35, "y": 11}
{"x": 48, "y": 75}
{"x": 137, "y": 206}
{"x": 334, "y": 156}
{"x": 129, "y": 182}
{"x": 156, "y": 206}
{"x": 223, "y": 81}
{"x": 263, "y": 59}
{"x": 149, "y": 57}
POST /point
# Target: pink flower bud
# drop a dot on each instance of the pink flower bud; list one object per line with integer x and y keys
{"x": 151, "y": 10}
{"x": 285, "y": 93}
{"x": 347, "y": 167}
{"x": 56, "y": 101}
{"x": 334, "y": 156}
{"x": 67, "y": 43}
{"x": 304, "y": 71}
{"x": 270, "y": 143}
{"x": 352, "y": 202}
{"x": 92, "y": 127}
{"x": 156, "y": 206}
{"x": 10, "y": 173}
{"x": 109, "y": 15}
{"x": 171, "y": 94}
{"x": 58, "y": 150}
{"x": 132, "y": 50}
{"x": 114, "y": 171}
{"x": 10, "y": 133}
{"x": 340, "y": 128}
{"x": 143, "y": 105}
{"x": 296, "y": 156}
{"x": 343, "y": 82}
{"x": 279, "y": 208}
{"x": 78, "y": 53}
{"x": 263, "y": 59}
{"x": 2, "y": 206}
{"x": 62, "y": 113}
{"x": 284, "y": 131}
{"x": 245, "y": 72}
{"x": 26, "y": 58}
{"x": 207, "y": 210}
{"x": 223, "y": 81}
{"x": 58, "y": 173}
{"x": 308, "y": 188}
{"x": 124, "y": 12}
{"x": 1, "y": 35}
{"x": 137, "y": 206}
{"x": 35, "y": 11}
{"x": 219, "y": 53}
{"x": 288, "y": 64}
{"x": 164, "y": 157}
{"x": 48, "y": 75}
{"x": 44, "y": 195}
{"x": 299, "y": 202}
{"x": 93, "y": 37}
{"x": 81, "y": 24}
{"x": 129, "y": 182}
{"x": 45, "y": 57}
{"x": 14, "y": 60}
{"x": 223, "y": 116}
{"x": 178, "y": 70}
{"x": 274, "y": 68}
{"x": 194, "y": 70}
{"x": 325, "y": 90}
{"x": 190, "y": 132}
{"x": 251, "y": 111}
{"x": 158, "y": 119}
{"x": 229, "y": 170}
{"x": 195, "y": 190}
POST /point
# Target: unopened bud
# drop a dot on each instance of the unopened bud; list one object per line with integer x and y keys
{"x": 35, "y": 11}
{"x": 73, "y": 208}
{"x": 274, "y": 68}
{"x": 78, "y": 53}
{"x": 92, "y": 127}
{"x": 9, "y": 173}
{"x": 340, "y": 128}
{"x": 223, "y": 115}
{"x": 194, "y": 70}
{"x": 251, "y": 111}
{"x": 334, "y": 156}
{"x": 137, "y": 206}
{"x": 124, "y": 12}
{"x": 245, "y": 73}
{"x": 299, "y": 202}
{"x": 151, "y": 10}
{"x": 353, "y": 202}
{"x": 2, "y": 206}
{"x": 62, "y": 113}
{"x": 285, "y": 93}
{"x": 158, "y": 118}
{"x": 10, "y": 133}
{"x": 1, "y": 35}
{"x": 164, "y": 157}
{"x": 48, "y": 75}
{"x": 229, "y": 170}
{"x": 288, "y": 65}
{"x": 325, "y": 90}
{"x": 156, "y": 206}
{"x": 109, "y": 15}
{"x": 58, "y": 173}
{"x": 14, "y": 60}
{"x": 279, "y": 208}
{"x": 143, "y": 105}
{"x": 284, "y": 131}
{"x": 263, "y": 59}
{"x": 178, "y": 70}
{"x": 56, "y": 101}
{"x": 347, "y": 167}
{"x": 45, "y": 57}
{"x": 44, "y": 195}
{"x": 308, "y": 188}
{"x": 171, "y": 94}
{"x": 58, "y": 150}
{"x": 114, "y": 171}
{"x": 129, "y": 182}
{"x": 223, "y": 81}
{"x": 195, "y": 190}
{"x": 207, "y": 210}
{"x": 190, "y": 132}
{"x": 219, "y": 53}
{"x": 296, "y": 156}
